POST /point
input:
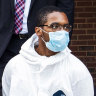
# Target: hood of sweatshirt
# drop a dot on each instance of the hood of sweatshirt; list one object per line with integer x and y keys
{"x": 32, "y": 57}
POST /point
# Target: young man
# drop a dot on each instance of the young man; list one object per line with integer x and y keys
{"x": 11, "y": 16}
{"x": 45, "y": 63}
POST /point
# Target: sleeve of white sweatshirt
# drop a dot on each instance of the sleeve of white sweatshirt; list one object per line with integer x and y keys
{"x": 6, "y": 79}
{"x": 84, "y": 87}
{"x": 82, "y": 81}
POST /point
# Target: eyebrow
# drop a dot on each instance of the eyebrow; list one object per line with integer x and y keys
{"x": 57, "y": 23}
{"x": 54, "y": 23}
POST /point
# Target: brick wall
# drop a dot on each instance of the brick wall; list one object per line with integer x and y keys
{"x": 83, "y": 42}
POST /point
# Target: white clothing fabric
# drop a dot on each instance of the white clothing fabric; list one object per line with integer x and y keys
{"x": 25, "y": 16}
{"x": 30, "y": 74}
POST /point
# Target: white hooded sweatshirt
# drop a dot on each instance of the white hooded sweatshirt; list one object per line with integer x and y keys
{"x": 30, "y": 74}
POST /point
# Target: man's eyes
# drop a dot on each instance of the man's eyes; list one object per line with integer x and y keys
{"x": 54, "y": 26}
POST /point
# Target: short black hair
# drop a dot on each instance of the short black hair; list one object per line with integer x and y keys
{"x": 41, "y": 17}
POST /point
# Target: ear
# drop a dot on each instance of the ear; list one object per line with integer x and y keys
{"x": 38, "y": 31}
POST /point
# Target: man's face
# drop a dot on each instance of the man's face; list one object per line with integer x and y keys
{"x": 54, "y": 20}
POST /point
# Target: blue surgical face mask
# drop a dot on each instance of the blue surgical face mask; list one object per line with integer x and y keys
{"x": 58, "y": 40}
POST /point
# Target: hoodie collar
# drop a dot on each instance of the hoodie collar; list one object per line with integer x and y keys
{"x": 32, "y": 57}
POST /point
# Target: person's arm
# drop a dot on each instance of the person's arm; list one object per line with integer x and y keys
{"x": 84, "y": 87}
{"x": 6, "y": 80}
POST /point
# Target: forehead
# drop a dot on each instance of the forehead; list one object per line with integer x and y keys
{"x": 58, "y": 17}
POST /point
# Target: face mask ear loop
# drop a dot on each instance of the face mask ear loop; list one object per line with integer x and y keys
{"x": 43, "y": 40}
{"x": 44, "y": 30}
{"x": 42, "y": 37}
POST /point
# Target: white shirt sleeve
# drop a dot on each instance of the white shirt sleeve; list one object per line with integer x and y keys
{"x": 83, "y": 88}
{"x": 81, "y": 79}
{"x": 6, "y": 80}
